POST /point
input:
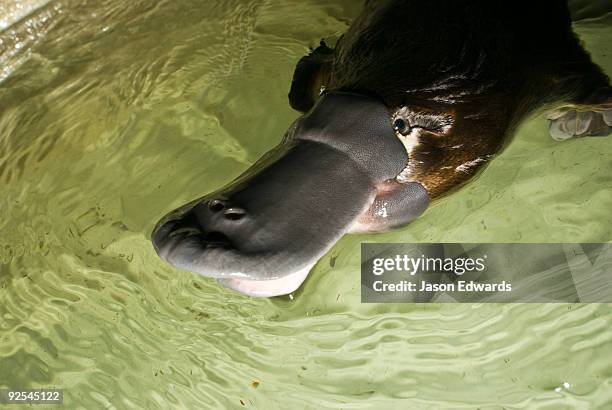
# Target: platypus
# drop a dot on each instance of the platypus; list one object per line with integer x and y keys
{"x": 413, "y": 100}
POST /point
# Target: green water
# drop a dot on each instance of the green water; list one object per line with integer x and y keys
{"x": 113, "y": 113}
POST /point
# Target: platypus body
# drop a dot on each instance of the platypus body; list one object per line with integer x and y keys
{"x": 414, "y": 100}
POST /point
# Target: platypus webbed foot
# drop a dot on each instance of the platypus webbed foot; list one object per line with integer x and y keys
{"x": 576, "y": 123}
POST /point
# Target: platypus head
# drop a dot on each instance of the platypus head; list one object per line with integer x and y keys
{"x": 263, "y": 232}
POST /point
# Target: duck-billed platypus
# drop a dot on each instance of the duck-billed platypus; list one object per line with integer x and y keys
{"x": 414, "y": 99}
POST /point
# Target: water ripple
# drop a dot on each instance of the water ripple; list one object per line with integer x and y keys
{"x": 127, "y": 110}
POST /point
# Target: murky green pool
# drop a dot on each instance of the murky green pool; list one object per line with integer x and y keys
{"x": 113, "y": 113}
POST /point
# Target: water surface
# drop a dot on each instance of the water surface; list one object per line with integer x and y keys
{"x": 113, "y": 113}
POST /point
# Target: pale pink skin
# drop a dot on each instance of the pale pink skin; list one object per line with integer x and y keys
{"x": 268, "y": 288}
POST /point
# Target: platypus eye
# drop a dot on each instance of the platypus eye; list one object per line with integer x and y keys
{"x": 400, "y": 125}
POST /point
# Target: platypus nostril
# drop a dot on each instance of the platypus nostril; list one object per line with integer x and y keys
{"x": 234, "y": 214}
{"x": 215, "y": 205}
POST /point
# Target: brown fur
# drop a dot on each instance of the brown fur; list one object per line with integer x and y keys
{"x": 485, "y": 63}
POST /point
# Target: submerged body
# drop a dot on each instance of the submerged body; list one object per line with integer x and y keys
{"x": 418, "y": 97}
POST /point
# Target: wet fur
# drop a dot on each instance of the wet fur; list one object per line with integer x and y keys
{"x": 485, "y": 64}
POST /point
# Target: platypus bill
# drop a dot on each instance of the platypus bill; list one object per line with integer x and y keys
{"x": 414, "y": 100}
